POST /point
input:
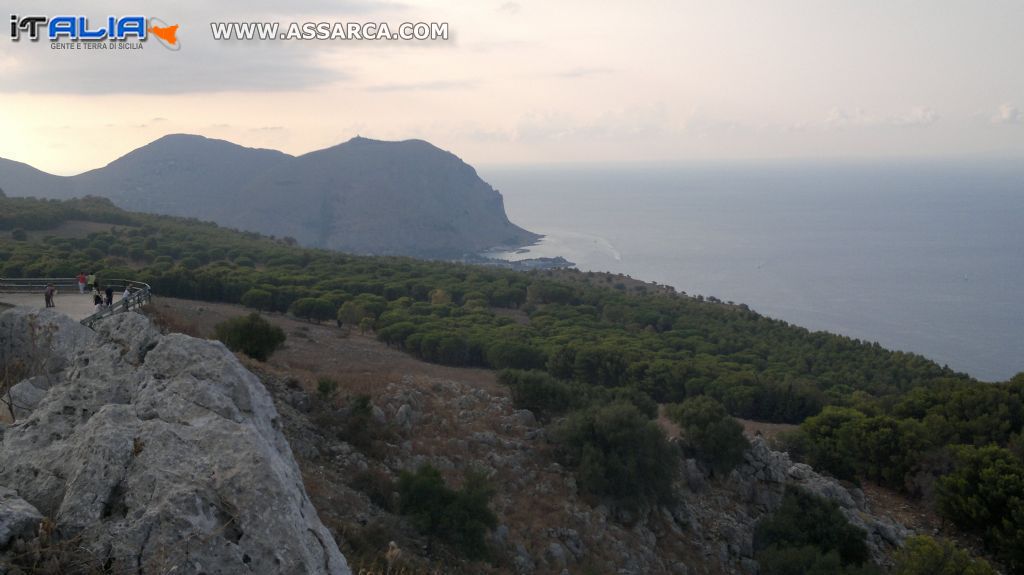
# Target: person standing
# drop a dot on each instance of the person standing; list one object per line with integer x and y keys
{"x": 97, "y": 299}
{"x": 81, "y": 282}
{"x": 48, "y": 295}
{"x": 91, "y": 280}
{"x": 110, "y": 296}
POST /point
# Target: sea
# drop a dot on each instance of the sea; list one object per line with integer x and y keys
{"x": 920, "y": 256}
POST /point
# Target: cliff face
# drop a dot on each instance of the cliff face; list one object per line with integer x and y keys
{"x": 370, "y": 196}
{"x": 147, "y": 453}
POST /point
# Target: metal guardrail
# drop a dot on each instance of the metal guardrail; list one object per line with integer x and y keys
{"x": 139, "y": 293}
{"x": 34, "y": 285}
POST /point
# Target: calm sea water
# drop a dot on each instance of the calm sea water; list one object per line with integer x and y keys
{"x": 922, "y": 257}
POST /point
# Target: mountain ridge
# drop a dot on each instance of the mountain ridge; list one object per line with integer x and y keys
{"x": 364, "y": 196}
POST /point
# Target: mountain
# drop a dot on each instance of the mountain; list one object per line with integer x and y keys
{"x": 16, "y": 178}
{"x": 362, "y": 196}
{"x": 181, "y": 175}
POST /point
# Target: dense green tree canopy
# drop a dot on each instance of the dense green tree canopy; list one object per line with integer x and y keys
{"x": 709, "y": 433}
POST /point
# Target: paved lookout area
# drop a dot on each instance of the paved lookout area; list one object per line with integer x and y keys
{"x": 76, "y": 305}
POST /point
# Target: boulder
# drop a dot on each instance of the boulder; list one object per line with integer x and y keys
{"x": 162, "y": 453}
{"x": 25, "y": 395}
{"x": 18, "y": 518}
{"x": 41, "y": 340}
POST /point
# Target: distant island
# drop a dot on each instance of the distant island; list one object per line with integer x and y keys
{"x": 363, "y": 196}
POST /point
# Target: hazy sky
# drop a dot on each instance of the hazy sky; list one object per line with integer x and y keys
{"x": 527, "y": 81}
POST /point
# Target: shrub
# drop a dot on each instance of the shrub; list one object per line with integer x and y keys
{"x": 618, "y": 454}
{"x": 257, "y": 299}
{"x": 326, "y": 388}
{"x": 358, "y": 429}
{"x": 985, "y": 494}
{"x": 709, "y": 433}
{"x": 377, "y": 486}
{"x": 251, "y": 335}
{"x": 537, "y": 391}
{"x": 923, "y": 555}
{"x": 18, "y": 235}
{"x": 459, "y": 518}
{"x": 807, "y": 534}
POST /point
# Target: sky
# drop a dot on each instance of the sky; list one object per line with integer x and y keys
{"x": 537, "y": 82}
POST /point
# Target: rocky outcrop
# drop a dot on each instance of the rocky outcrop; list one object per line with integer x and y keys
{"x": 153, "y": 453}
{"x": 764, "y": 471}
{"x": 724, "y": 513}
{"x": 546, "y": 526}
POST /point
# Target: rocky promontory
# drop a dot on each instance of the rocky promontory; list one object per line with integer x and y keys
{"x": 149, "y": 453}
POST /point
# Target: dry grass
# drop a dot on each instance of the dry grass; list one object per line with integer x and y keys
{"x": 170, "y": 322}
{"x": 359, "y": 363}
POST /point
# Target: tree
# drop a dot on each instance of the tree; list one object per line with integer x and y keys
{"x": 709, "y": 433}
{"x": 439, "y": 296}
{"x": 922, "y": 555}
{"x": 460, "y": 518}
{"x": 803, "y": 533}
{"x": 313, "y": 309}
{"x": 537, "y": 391}
{"x": 618, "y": 454}
{"x": 18, "y": 235}
{"x": 514, "y": 354}
{"x": 361, "y": 307}
{"x": 985, "y": 493}
{"x": 251, "y": 335}
{"x": 827, "y": 442}
{"x": 258, "y": 299}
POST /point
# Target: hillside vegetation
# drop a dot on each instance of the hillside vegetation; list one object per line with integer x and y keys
{"x": 602, "y": 351}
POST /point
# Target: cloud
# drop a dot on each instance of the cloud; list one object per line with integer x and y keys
{"x": 1008, "y": 114}
{"x": 201, "y": 66}
{"x": 312, "y": 6}
{"x": 438, "y": 86}
{"x": 489, "y": 46}
{"x": 583, "y": 72}
{"x": 219, "y": 67}
{"x": 511, "y": 8}
{"x": 632, "y": 123}
{"x": 917, "y": 116}
{"x": 841, "y": 118}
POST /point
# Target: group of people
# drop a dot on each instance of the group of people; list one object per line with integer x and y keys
{"x": 101, "y": 299}
{"x": 87, "y": 281}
